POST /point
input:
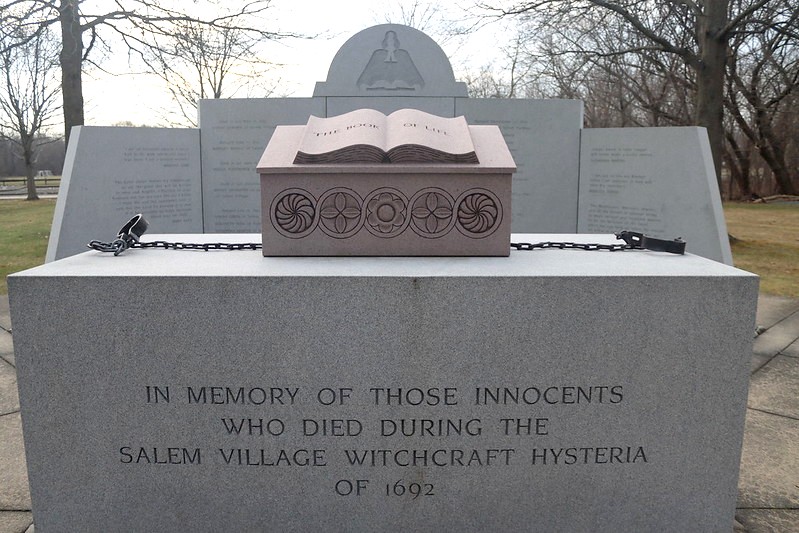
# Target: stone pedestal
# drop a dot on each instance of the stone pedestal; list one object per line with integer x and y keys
{"x": 431, "y": 209}
{"x": 224, "y": 391}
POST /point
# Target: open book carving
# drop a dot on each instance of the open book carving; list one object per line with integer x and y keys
{"x": 369, "y": 136}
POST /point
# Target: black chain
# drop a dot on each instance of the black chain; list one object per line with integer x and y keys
{"x": 591, "y": 247}
{"x": 198, "y": 246}
{"x": 130, "y": 233}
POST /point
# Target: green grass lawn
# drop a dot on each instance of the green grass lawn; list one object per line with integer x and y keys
{"x": 24, "y": 230}
{"x": 767, "y": 240}
{"x": 767, "y": 243}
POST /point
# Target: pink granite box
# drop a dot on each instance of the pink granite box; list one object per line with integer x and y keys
{"x": 386, "y": 209}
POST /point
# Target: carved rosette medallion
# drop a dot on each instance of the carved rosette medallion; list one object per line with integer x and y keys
{"x": 386, "y": 212}
{"x": 293, "y": 213}
{"x": 432, "y": 213}
{"x": 479, "y": 213}
{"x": 340, "y": 213}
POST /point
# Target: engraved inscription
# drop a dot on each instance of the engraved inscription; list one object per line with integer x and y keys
{"x": 167, "y": 198}
{"x": 622, "y": 191}
{"x": 364, "y": 436}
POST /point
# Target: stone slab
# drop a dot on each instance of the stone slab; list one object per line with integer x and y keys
{"x": 759, "y": 361}
{"x": 13, "y": 475}
{"x": 792, "y": 350}
{"x": 778, "y": 337}
{"x": 441, "y": 106}
{"x": 233, "y": 134}
{"x": 658, "y": 181}
{"x": 768, "y": 520}
{"x": 111, "y": 173}
{"x": 9, "y": 397}
{"x": 5, "y": 314}
{"x": 390, "y": 60}
{"x": 6, "y": 346}
{"x": 345, "y": 331}
{"x": 544, "y": 138}
{"x": 772, "y": 309}
{"x": 774, "y": 387}
{"x": 769, "y": 462}
{"x": 15, "y": 521}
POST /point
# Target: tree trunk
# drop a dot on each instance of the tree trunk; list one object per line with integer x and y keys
{"x": 71, "y": 61}
{"x": 31, "y": 182}
{"x": 774, "y": 157}
{"x": 30, "y": 179}
{"x": 710, "y": 76}
{"x": 773, "y": 152}
{"x": 739, "y": 163}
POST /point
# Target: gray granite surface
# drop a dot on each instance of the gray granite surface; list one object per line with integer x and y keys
{"x": 112, "y": 173}
{"x": 665, "y": 375}
{"x": 390, "y": 60}
{"x": 660, "y": 181}
{"x": 769, "y": 452}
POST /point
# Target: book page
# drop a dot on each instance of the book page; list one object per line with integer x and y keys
{"x": 363, "y": 126}
{"x": 411, "y": 126}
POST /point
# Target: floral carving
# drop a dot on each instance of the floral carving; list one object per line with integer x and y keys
{"x": 432, "y": 212}
{"x": 386, "y": 213}
{"x": 340, "y": 212}
{"x": 293, "y": 213}
{"x": 479, "y": 213}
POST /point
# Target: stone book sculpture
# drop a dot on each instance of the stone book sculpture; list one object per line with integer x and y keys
{"x": 362, "y": 206}
{"x": 369, "y": 136}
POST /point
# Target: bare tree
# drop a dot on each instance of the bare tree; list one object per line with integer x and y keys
{"x": 509, "y": 79}
{"x": 762, "y": 86}
{"x": 698, "y": 32}
{"x": 28, "y": 96}
{"x": 198, "y": 62}
{"x": 139, "y": 24}
{"x": 429, "y": 17}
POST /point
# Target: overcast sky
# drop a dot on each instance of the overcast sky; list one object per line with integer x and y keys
{"x": 141, "y": 99}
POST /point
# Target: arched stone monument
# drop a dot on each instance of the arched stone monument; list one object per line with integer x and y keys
{"x": 403, "y": 62}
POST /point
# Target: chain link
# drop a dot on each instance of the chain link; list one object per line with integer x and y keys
{"x": 591, "y": 247}
{"x": 128, "y": 237}
{"x": 120, "y": 245}
{"x": 199, "y": 246}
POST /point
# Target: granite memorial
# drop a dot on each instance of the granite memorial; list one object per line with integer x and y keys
{"x": 406, "y": 184}
{"x": 389, "y": 67}
{"x": 627, "y": 178}
{"x": 110, "y": 172}
{"x": 555, "y": 390}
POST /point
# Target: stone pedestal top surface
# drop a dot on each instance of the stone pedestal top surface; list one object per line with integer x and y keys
{"x": 540, "y": 263}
